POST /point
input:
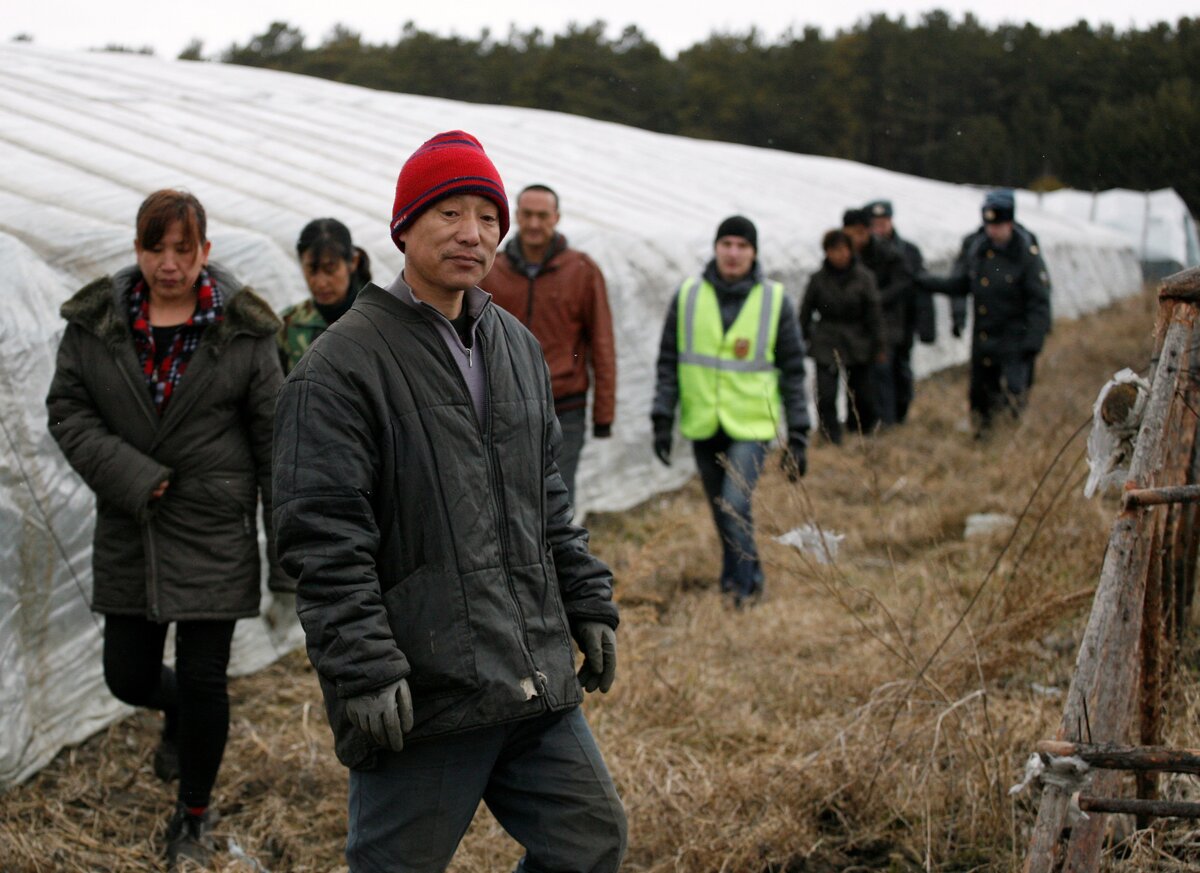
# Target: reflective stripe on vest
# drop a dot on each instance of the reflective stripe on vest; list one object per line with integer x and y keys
{"x": 728, "y": 379}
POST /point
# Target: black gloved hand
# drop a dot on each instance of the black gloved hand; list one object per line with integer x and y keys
{"x": 662, "y": 439}
{"x": 385, "y": 715}
{"x": 601, "y": 431}
{"x": 598, "y": 642}
{"x": 795, "y": 459}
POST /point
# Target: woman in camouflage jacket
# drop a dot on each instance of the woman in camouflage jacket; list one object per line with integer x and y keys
{"x": 335, "y": 269}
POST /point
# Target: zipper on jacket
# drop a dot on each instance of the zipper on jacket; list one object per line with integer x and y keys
{"x": 141, "y": 394}
{"x": 151, "y": 573}
{"x": 485, "y": 436}
{"x": 529, "y": 304}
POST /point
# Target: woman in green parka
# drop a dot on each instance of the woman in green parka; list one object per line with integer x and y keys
{"x": 335, "y": 270}
{"x": 163, "y": 400}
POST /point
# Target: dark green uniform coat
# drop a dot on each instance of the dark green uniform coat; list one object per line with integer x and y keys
{"x": 1010, "y": 292}
{"x": 193, "y": 553}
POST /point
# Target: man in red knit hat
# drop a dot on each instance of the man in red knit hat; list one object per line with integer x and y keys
{"x": 440, "y": 579}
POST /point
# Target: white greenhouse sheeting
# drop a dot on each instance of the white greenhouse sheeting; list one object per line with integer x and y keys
{"x": 1163, "y": 231}
{"x": 85, "y": 136}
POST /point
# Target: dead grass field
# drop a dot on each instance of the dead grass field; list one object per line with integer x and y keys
{"x": 853, "y": 721}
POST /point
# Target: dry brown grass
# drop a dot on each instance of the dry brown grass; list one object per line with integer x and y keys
{"x": 852, "y": 721}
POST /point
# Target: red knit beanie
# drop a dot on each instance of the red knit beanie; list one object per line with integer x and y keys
{"x": 451, "y": 163}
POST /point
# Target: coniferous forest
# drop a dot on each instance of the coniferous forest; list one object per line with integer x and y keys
{"x": 1090, "y": 108}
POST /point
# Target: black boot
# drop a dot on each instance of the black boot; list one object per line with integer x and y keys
{"x": 189, "y": 837}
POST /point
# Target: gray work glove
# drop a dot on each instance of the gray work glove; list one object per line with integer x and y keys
{"x": 384, "y": 715}
{"x": 598, "y": 642}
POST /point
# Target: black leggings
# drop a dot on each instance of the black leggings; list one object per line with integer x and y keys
{"x": 193, "y": 697}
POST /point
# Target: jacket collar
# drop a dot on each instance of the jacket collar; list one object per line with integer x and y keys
{"x": 475, "y": 299}
{"x": 512, "y": 251}
{"x": 101, "y": 308}
{"x": 741, "y": 287}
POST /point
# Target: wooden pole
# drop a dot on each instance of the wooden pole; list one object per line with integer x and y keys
{"x": 1114, "y": 757}
{"x": 1159, "y": 496}
{"x": 1105, "y": 674}
{"x": 1150, "y": 687}
{"x": 1140, "y": 808}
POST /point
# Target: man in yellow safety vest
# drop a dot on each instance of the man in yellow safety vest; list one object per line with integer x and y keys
{"x": 732, "y": 360}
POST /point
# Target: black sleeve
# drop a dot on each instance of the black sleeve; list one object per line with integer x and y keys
{"x": 327, "y": 534}
{"x": 958, "y": 283}
{"x": 584, "y": 581}
{"x": 1037, "y": 303}
{"x": 116, "y": 471}
{"x": 806, "y": 308}
{"x": 789, "y": 358}
{"x": 896, "y": 280}
{"x": 666, "y": 384}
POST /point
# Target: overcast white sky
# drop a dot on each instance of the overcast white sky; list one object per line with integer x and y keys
{"x": 673, "y": 25}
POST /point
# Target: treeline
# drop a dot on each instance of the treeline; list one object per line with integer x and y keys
{"x": 943, "y": 98}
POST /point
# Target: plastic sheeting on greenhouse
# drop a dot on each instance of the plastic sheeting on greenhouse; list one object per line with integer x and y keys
{"x": 85, "y": 136}
{"x": 1158, "y": 222}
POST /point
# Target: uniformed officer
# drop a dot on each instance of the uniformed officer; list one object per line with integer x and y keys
{"x": 891, "y": 377}
{"x": 1001, "y": 266}
{"x": 919, "y": 317}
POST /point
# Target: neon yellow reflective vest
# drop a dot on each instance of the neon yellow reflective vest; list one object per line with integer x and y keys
{"x": 728, "y": 379}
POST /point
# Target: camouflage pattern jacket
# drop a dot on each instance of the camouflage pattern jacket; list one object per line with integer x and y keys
{"x": 302, "y": 323}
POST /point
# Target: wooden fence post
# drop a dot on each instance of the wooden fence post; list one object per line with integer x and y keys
{"x": 1105, "y": 684}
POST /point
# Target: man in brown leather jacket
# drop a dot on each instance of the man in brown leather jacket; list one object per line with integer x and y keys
{"x": 559, "y": 294}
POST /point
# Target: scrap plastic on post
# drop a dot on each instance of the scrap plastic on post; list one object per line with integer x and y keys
{"x": 1116, "y": 417}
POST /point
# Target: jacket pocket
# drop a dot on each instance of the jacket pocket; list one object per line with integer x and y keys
{"x": 427, "y": 613}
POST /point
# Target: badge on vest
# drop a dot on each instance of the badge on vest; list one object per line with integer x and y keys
{"x": 741, "y": 348}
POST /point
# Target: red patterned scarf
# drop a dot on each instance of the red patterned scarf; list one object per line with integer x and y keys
{"x": 164, "y": 378}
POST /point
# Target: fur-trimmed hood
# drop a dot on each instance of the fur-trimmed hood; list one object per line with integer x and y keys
{"x": 101, "y": 308}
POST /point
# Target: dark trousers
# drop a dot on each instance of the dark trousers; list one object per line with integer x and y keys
{"x": 893, "y": 385}
{"x": 194, "y": 696}
{"x": 543, "y": 779}
{"x": 860, "y": 406}
{"x": 998, "y": 385}
{"x": 729, "y": 470}
{"x": 574, "y": 424}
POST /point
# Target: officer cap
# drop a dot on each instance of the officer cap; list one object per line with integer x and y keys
{"x": 999, "y": 206}
{"x": 879, "y": 208}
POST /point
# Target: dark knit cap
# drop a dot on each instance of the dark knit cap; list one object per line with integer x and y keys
{"x": 999, "y": 206}
{"x": 879, "y": 209}
{"x": 852, "y": 217}
{"x": 738, "y": 225}
{"x": 451, "y": 163}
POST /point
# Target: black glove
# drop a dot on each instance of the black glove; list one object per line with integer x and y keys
{"x": 598, "y": 642}
{"x": 795, "y": 459}
{"x": 385, "y": 714}
{"x": 601, "y": 431}
{"x": 662, "y": 439}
